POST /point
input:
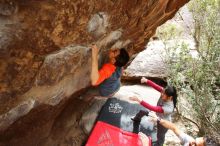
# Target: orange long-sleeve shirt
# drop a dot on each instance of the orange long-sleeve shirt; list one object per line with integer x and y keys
{"x": 105, "y": 72}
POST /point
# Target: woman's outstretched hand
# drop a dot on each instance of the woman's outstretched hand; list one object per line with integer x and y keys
{"x": 134, "y": 98}
{"x": 143, "y": 80}
{"x": 153, "y": 116}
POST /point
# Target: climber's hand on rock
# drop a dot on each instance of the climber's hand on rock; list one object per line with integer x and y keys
{"x": 95, "y": 49}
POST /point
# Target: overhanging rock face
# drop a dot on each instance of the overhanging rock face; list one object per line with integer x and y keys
{"x": 44, "y": 55}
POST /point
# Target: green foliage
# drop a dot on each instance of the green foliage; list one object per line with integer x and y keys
{"x": 199, "y": 77}
{"x": 169, "y": 31}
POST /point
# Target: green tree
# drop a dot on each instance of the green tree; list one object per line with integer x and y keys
{"x": 198, "y": 78}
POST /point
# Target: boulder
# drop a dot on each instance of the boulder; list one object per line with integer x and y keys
{"x": 149, "y": 63}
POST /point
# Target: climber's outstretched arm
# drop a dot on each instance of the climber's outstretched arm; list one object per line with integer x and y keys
{"x": 94, "y": 72}
{"x": 165, "y": 123}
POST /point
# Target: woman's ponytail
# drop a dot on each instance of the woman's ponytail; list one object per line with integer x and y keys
{"x": 171, "y": 91}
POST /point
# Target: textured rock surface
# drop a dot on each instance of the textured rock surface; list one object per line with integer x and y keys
{"x": 44, "y": 56}
{"x": 149, "y": 63}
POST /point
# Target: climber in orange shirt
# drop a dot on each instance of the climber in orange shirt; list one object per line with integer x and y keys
{"x": 108, "y": 77}
{"x": 107, "y": 80}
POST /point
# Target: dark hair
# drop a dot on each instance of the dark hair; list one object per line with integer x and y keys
{"x": 123, "y": 58}
{"x": 155, "y": 38}
{"x": 210, "y": 141}
{"x": 171, "y": 91}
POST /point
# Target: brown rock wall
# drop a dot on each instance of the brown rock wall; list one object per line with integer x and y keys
{"x": 33, "y": 29}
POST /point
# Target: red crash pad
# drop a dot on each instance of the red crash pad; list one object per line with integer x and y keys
{"x": 105, "y": 134}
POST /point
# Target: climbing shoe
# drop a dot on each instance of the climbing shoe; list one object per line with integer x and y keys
{"x": 139, "y": 115}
